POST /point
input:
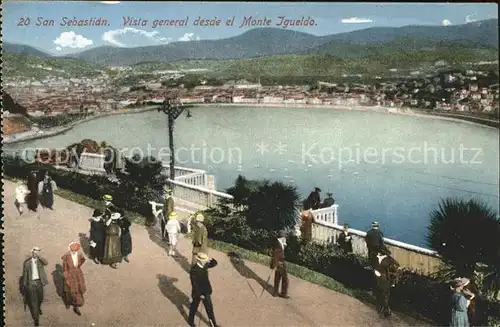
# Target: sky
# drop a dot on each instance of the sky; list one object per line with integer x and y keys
{"x": 20, "y": 20}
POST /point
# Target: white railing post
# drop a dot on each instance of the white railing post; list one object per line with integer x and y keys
{"x": 335, "y": 214}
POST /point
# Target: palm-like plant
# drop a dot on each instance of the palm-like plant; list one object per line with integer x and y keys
{"x": 465, "y": 233}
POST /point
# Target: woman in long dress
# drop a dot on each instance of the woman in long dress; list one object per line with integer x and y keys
{"x": 74, "y": 286}
{"x": 32, "y": 198}
{"x": 459, "y": 303}
{"x": 46, "y": 189}
{"x": 97, "y": 236}
{"x": 112, "y": 246}
{"x": 125, "y": 237}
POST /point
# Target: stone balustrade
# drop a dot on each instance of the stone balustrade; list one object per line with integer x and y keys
{"x": 200, "y": 196}
{"x": 92, "y": 161}
{"x": 195, "y": 179}
{"x": 326, "y": 230}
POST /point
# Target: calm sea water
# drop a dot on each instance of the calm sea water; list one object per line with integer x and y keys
{"x": 393, "y": 169}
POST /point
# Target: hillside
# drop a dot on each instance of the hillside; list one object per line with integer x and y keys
{"x": 12, "y": 106}
{"x": 33, "y": 66}
{"x": 23, "y": 49}
{"x": 276, "y": 41}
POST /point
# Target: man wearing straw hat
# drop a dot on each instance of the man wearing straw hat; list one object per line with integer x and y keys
{"x": 74, "y": 282}
{"x": 173, "y": 229}
{"x": 34, "y": 279}
{"x": 200, "y": 237}
{"x": 168, "y": 208}
{"x": 202, "y": 289}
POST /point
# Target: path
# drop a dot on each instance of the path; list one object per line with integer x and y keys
{"x": 153, "y": 289}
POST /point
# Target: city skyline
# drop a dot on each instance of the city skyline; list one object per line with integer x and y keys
{"x": 117, "y": 18}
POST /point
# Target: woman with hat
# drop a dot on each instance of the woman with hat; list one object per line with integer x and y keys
{"x": 97, "y": 236}
{"x": 32, "y": 198}
{"x": 459, "y": 303}
{"x": 74, "y": 282}
{"x": 125, "y": 236}
{"x": 109, "y": 207}
{"x": 112, "y": 245}
{"x": 173, "y": 229}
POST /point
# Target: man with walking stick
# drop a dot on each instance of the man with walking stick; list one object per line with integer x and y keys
{"x": 278, "y": 266}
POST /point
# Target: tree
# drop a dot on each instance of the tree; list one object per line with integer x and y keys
{"x": 465, "y": 233}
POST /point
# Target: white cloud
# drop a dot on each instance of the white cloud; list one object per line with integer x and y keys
{"x": 446, "y": 22}
{"x": 189, "y": 37}
{"x": 111, "y": 36}
{"x": 469, "y": 19}
{"x": 72, "y": 40}
{"x": 110, "y": 2}
{"x": 356, "y": 20}
{"x": 58, "y": 48}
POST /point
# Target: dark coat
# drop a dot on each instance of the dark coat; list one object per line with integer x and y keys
{"x": 313, "y": 201}
{"x": 125, "y": 237}
{"x": 199, "y": 279}
{"x": 32, "y": 198}
{"x": 73, "y": 278}
{"x": 97, "y": 235}
{"x": 27, "y": 273}
{"x": 374, "y": 239}
{"x": 328, "y": 202}
{"x": 47, "y": 193}
{"x": 388, "y": 269}
{"x": 343, "y": 243}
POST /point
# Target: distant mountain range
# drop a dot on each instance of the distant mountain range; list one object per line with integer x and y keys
{"x": 262, "y": 42}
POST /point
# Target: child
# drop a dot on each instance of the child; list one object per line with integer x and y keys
{"x": 21, "y": 193}
{"x": 173, "y": 228}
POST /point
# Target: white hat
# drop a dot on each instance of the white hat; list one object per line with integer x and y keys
{"x": 116, "y": 215}
{"x": 199, "y": 217}
{"x": 36, "y": 249}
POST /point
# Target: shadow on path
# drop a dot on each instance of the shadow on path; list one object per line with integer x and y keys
{"x": 155, "y": 236}
{"x": 58, "y": 279}
{"x": 176, "y": 296}
{"x": 248, "y": 273}
{"x": 84, "y": 242}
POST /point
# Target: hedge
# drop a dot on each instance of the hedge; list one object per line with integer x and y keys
{"x": 418, "y": 295}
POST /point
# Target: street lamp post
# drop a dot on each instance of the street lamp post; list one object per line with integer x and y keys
{"x": 173, "y": 110}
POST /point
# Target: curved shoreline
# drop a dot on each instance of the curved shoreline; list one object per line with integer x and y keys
{"x": 478, "y": 121}
{"x": 63, "y": 129}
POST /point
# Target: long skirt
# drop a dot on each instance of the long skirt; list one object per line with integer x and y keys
{"x": 74, "y": 292}
{"x": 47, "y": 199}
{"x": 112, "y": 250}
{"x": 126, "y": 244}
{"x": 97, "y": 252}
{"x": 32, "y": 201}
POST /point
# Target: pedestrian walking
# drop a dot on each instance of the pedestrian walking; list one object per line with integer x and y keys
{"x": 173, "y": 229}
{"x": 200, "y": 238}
{"x": 97, "y": 236}
{"x": 112, "y": 245}
{"x": 168, "y": 208}
{"x": 46, "y": 190}
{"x": 21, "y": 194}
{"x": 201, "y": 288}
{"x": 459, "y": 303}
{"x": 34, "y": 279}
{"x": 279, "y": 267}
{"x": 32, "y": 198}
{"x": 74, "y": 281}
{"x": 374, "y": 242}
{"x": 386, "y": 271}
{"x": 125, "y": 236}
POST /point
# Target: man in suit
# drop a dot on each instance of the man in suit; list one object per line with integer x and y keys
{"x": 200, "y": 238}
{"x": 33, "y": 280}
{"x": 328, "y": 201}
{"x": 345, "y": 240}
{"x": 278, "y": 266}
{"x": 386, "y": 271}
{"x": 313, "y": 201}
{"x": 374, "y": 242}
{"x": 202, "y": 289}
{"x": 168, "y": 208}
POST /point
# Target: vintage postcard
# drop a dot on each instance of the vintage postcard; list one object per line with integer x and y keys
{"x": 250, "y": 164}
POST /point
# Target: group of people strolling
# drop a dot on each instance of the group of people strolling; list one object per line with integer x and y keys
{"x": 34, "y": 279}
{"x": 110, "y": 240}
{"x": 39, "y": 190}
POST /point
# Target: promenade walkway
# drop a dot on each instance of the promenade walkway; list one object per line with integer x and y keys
{"x": 153, "y": 289}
